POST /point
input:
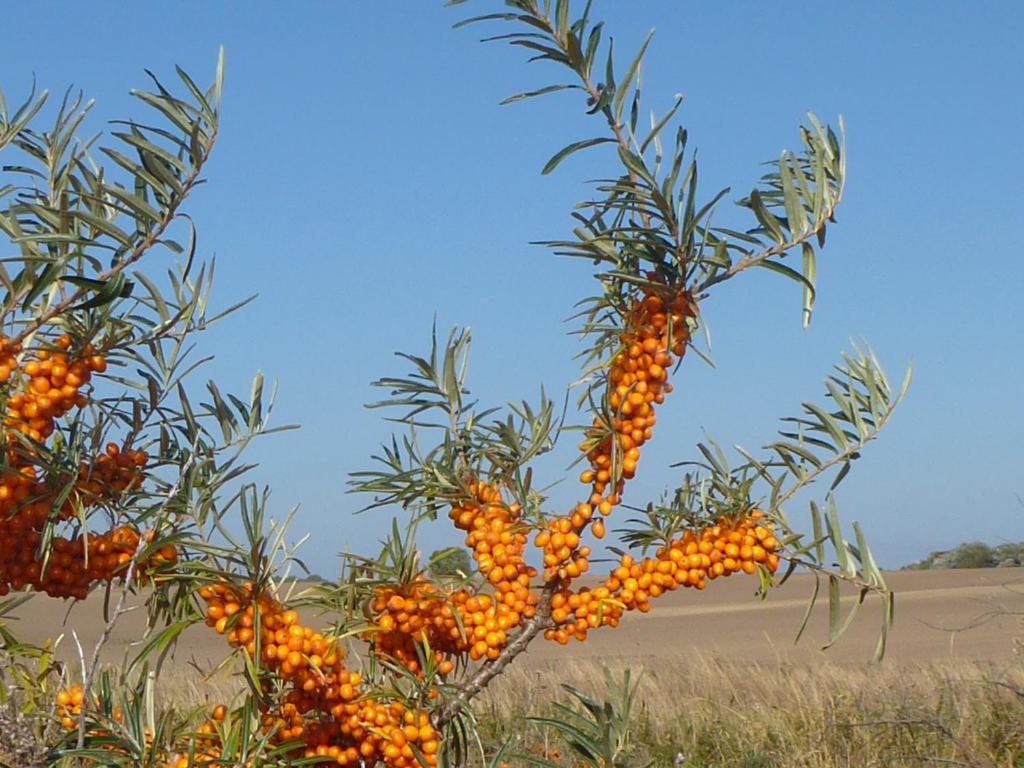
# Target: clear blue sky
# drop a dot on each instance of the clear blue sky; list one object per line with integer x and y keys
{"x": 366, "y": 181}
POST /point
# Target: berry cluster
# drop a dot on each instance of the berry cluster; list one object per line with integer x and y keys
{"x": 655, "y": 332}
{"x": 73, "y": 564}
{"x": 41, "y": 388}
{"x": 51, "y": 385}
{"x": 112, "y": 474}
{"x": 497, "y": 540}
{"x": 325, "y": 706}
{"x": 206, "y": 746}
{"x": 69, "y": 706}
{"x": 461, "y": 622}
{"x": 405, "y": 618}
{"x": 691, "y": 560}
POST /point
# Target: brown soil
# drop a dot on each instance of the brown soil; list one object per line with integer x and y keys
{"x": 963, "y": 615}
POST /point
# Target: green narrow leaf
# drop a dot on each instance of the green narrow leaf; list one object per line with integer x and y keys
{"x": 818, "y": 532}
{"x": 217, "y": 89}
{"x": 868, "y": 564}
{"x": 836, "y": 535}
{"x": 199, "y": 96}
{"x": 143, "y": 145}
{"x": 766, "y": 218}
{"x": 843, "y": 471}
{"x": 795, "y": 212}
{"x": 41, "y": 283}
{"x": 608, "y": 91}
{"x": 138, "y": 206}
{"x": 833, "y": 607}
{"x": 631, "y": 73}
{"x": 104, "y": 226}
{"x": 142, "y": 174}
{"x": 810, "y": 608}
{"x": 256, "y": 401}
{"x": 544, "y": 51}
{"x": 575, "y": 147}
{"x": 159, "y": 642}
{"x": 156, "y": 167}
{"x": 117, "y": 287}
{"x": 538, "y": 92}
{"x": 85, "y": 282}
{"x": 810, "y": 273}
{"x": 159, "y": 304}
{"x": 799, "y": 450}
{"x": 562, "y": 18}
{"x": 829, "y": 424}
{"x": 849, "y": 618}
{"x": 477, "y": 19}
{"x": 635, "y": 164}
{"x": 792, "y": 274}
{"x": 657, "y": 127}
{"x": 593, "y": 42}
{"x": 905, "y": 384}
{"x": 169, "y": 108}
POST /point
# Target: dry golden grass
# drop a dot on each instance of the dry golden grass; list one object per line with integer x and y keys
{"x": 747, "y": 715}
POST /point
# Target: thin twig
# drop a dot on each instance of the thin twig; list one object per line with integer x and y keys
{"x": 82, "y": 711}
{"x": 776, "y": 250}
{"x": 846, "y": 454}
{"x": 818, "y": 568}
{"x": 594, "y": 93}
{"x": 120, "y": 608}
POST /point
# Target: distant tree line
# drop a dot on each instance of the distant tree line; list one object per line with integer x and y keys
{"x": 973, "y": 554}
{"x": 451, "y": 561}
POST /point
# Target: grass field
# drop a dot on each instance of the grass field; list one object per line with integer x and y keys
{"x": 754, "y": 715}
{"x": 722, "y": 683}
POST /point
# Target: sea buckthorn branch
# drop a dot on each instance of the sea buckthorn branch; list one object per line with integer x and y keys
{"x": 650, "y": 216}
{"x": 564, "y": 47}
{"x": 863, "y": 401}
{"x": 307, "y": 703}
{"x": 635, "y": 225}
{"x": 720, "y": 549}
{"x": 823, "y": 440}
{"x": 666, "y": 333}
{"x": 109, "y": 279}
{"x": 87, "y": 207}
{"x": 70, "y": 313}
{"x": 417, "y": 479}
{"x": 416, "y": 621}
{"x": 648, "y": 330}
{"x": 79, "y": 205}
{"x": 657, "y": 329}
{"x": 792, "y": 207}
{"x": 636, "y": 381}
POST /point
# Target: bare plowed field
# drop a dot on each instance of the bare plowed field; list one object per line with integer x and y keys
{"x": 725, "y": 622}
